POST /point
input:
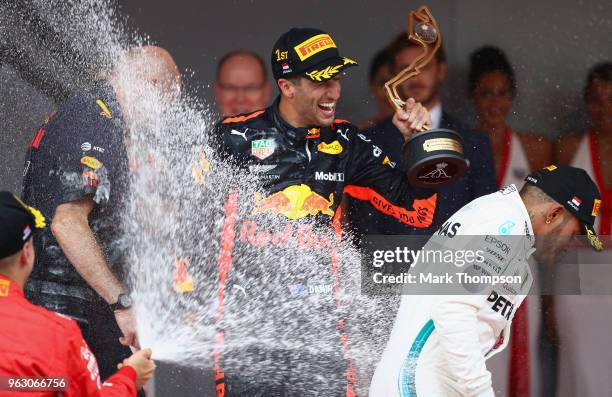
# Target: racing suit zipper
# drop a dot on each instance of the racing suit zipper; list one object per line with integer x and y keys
{"x": 308, "y": 153}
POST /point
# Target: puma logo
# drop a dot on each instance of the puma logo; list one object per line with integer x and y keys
{"x": 242, "y": 134}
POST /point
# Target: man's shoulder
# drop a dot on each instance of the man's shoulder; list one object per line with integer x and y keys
{"x": 253, "y": 119}
{"x": 94, "y": 106}
{"x": 502, "y": 207}
{"x": 234, "y": 134}
{"x": 343, "y": 126}
{"x": 383, "y": 127}
{"x": 54, "y": 322}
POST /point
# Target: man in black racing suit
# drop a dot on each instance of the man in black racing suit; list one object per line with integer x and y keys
{"x": 302, "y": 158}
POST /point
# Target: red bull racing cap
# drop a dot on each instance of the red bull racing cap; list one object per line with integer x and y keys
{"x": 18, "y": 222}
{"x": 575, "y": 190}
{"x": 307, "y": 52}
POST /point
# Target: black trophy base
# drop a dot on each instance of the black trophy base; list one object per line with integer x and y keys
{"x": 435, "y": 158}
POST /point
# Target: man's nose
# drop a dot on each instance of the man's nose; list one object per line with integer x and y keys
{"x": 334, "y": 89}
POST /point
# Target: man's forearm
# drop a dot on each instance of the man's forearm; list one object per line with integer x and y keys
{"x": 83, "y": 251}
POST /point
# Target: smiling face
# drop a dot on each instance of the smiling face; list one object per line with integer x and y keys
{"x": 307, "y": 103}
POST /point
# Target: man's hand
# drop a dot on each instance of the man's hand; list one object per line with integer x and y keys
{"x": 127, "y": 324}
{"x": 411, "y": 118}
{"x": 142, "y": 364}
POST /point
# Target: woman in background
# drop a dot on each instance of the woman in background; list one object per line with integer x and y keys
{"x": 492, "y": 89}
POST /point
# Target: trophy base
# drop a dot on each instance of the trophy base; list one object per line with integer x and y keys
{"x": 435, "y": 158}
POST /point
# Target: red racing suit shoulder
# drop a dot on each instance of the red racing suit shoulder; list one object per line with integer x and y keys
{"x": 38, "y": 342}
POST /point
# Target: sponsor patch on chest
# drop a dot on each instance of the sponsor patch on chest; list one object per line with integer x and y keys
{"x": 263, "y": 148}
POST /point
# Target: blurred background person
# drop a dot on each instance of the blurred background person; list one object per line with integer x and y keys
{"x": 492, "y": 89}
{"x": 425, "y": 88}
{"x": 242, "y": 84}
{"x": 584, "y": 364}
{"x": 380, "y": 72}
{"x": 76, "y": 172}
{"x": 592, "y": 149}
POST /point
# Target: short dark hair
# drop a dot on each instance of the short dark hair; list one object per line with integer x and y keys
{"x": 488, "y": 59}
{"x": 401, "y": 42}
{"x": 245, "y": 53}
{"x": 381, "y": 58}
{"x": 533, "y": 194}
{"x": 600, "y": 72}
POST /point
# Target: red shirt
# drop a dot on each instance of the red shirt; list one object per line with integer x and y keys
{"x": 38, "y": 342}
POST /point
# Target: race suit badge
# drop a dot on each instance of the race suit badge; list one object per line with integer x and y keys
{"x": 262, "y": 148}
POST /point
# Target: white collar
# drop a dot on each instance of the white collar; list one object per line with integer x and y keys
{"x": 436, "y": 115}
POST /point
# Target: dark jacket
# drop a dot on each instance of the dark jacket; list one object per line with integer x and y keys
{"x": 324, "y": 161}
{"x": 299, "y": 175}
{"x": 479, "y": 180}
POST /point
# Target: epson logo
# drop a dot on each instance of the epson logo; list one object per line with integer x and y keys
{"x": 329, "y": 176}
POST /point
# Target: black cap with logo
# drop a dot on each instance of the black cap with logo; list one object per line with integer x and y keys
{"x": 307, "y": 52}
{"x": 575, "y": 190}
{"x": 18, "y": 222}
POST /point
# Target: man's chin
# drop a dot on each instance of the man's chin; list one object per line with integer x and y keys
{"x": 325, "y": 121}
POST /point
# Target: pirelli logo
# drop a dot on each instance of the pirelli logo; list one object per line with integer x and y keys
{"x": 314, "y": 45}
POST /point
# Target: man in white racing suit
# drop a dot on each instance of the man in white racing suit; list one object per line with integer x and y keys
{"x": 439, "y": 343}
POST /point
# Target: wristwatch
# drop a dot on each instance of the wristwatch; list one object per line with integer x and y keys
{"x": 124, "y": 301}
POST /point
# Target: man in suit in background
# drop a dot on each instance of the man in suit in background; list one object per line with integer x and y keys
{"x": 425, "y": 87}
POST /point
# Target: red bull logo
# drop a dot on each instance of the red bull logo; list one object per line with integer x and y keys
{"x": 294, "y": 202}
{"x": 301, "y": 236}
{"x": 313, "y": 133}
{"x": 90, "y": 179}
{"x": 182, "y": 281}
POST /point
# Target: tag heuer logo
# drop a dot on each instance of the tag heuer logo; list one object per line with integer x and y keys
{"x": 329, "y": 176}
{"x": 262, "y": 148}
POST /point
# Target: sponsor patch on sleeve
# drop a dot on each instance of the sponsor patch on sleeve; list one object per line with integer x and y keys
{"x": 91, "y": 162}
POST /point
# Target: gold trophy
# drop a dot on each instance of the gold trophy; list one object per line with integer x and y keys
{"x": 435, "y": 156}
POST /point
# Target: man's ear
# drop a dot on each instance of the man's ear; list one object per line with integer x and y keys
{"x": 286, "y": 88}
{"x": 27, "y": 253}
{"x": 554, "y": 213}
